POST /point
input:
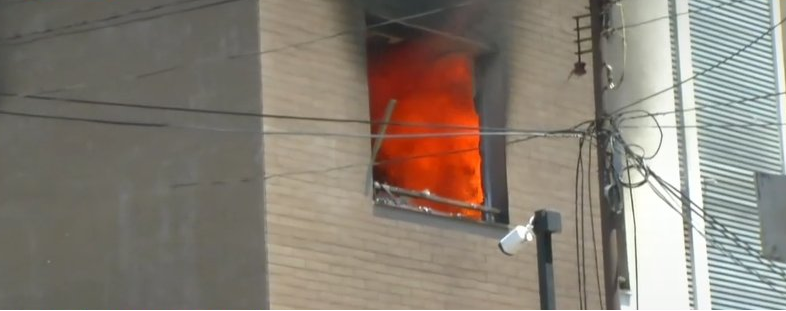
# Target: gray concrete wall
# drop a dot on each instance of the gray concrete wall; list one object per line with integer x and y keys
{"x": 110, "y": 216}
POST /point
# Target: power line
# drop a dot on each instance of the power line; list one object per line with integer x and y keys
{"x": 82, "y": 26}
{"x": 350, "y": 31}
{"x": 396, "y": 160}
{"x": 253, "y": 114}
{"x": 580, "y": 222}
{"x": 405, "y": 124}
{"x": 592, "y": 219}
{"x": 286, "y": 133}
{"x": 292, "y": 133}
{"x": 94, "y": 21}
{"x": 635, "y": 237}
{"x": 724, "y": 231}
{"x": 689, "y": 12}
{"x": 209, "y": 111}
{"x": 240, "y": 55}
{"x": 558, "y": 133}
{"x": 713, "y": 125}
{"x": 674, "y": 191}
{"x": 660, "y": 127}
{"x": 79, "y": 119}
{"x": 51, "y": 31}
{"x": 583, "y": 222}
{"x": 703, "y": 72}
{"x": 375, "y": 163}
{"x": 703, "y": 107}
{"x": 717, "y": 225}
{"x": 720, "y": 246}
{"x": 579, "y": 265}
{"x": 647, "y": 173}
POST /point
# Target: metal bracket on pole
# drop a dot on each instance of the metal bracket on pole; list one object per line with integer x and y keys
{"x": 580, "y": 67}
{"x": 545, "y": 224}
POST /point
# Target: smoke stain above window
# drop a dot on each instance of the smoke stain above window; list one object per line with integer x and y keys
{"x": 429, "y": 69}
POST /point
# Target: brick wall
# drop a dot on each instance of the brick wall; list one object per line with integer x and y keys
{"x": 330, "y": 247}
{"x": 102, "y": 216}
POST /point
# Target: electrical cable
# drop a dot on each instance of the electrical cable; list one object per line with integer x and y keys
{"x": 710, "y": 220}
{"x": 703, "y": 107}
{"x": 240, "y": 55}
{"x": 703, "y": 72}
{"x": 592, "y": 219}
{"x": 321, "y": 38}
{"x": 717, "y": 225}
{"x": 82, "y": 23}
{"x": 67, "y": 29}
{"x": 530, "y": 134}
{"x": 287, "y": 133}
{"x": 571, "y": 130}
{"x": 721, "y": 247}
{"x": 583, "y": 222}
{"x": 366, "y": 164}
{"x": 629, "y": 183}
{"x": 645, "y": 114}
{"x": 557, "y": 133}
{"x": 657, "y": 125}
{"x": 579, "y": 266}
{"x": 169, "y": 108}
{"x": 79, "y": 119}
{"x": 695, "y": 12}
{"x": 712, "y": 224}
{"x": 647, "y": 172}
{"x": 635, "y": 237}
{"x": 250, "y": 114}
{"x": 714, "y": 125}
{"x": 373, "y": 26}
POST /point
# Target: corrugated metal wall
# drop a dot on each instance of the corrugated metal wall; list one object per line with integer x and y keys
{"x": 729, "y": 155}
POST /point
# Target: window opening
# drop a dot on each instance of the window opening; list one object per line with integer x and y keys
{"x": 428, "y": 69}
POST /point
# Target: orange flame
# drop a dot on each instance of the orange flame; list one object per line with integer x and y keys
{"x": 432, "y": 81}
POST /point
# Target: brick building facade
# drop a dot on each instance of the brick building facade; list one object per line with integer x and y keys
{"x": 106, "y": 215}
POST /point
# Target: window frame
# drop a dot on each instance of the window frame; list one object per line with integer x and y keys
{"x": 491, "y": 103}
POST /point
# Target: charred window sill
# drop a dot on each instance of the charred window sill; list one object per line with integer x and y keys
{"x": 389, "y": 209}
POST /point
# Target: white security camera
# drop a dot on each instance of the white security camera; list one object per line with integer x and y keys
{"x": 516, "y": 238}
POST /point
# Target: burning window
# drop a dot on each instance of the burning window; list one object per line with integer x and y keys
{"x": 426, "y": 79}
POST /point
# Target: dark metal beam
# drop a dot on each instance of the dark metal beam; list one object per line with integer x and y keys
{"x": 544, "y": 225}
{"x": 609, "y": 221}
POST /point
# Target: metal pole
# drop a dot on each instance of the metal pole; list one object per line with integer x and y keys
{"x": 544, "y": 225}
{"x": 608, "y": 219}
{"x": 654, "y": 241}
